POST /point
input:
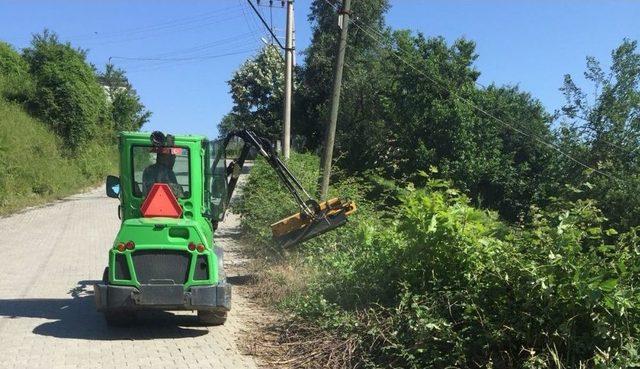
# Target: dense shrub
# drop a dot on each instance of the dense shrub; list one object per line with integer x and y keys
{"x": 442, "y": 284}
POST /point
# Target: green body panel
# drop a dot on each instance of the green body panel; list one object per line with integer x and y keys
{"x": 161, "y": 233}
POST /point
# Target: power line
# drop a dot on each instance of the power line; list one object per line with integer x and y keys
{"x": 470, "y": 103}
{"x": 164, "y": 26}
{"x": 246, "y": 20}
{"x": 149, "y": 35}
{"x": 194, "y": 51}
{"x": 269, "y": 35}
{"x": 238, "y": 39}
{"x": 160, "y": 26}
{"x": 159, "y": 64}
{"x": 205, "y": 57}
{"x": 266, "y": 25}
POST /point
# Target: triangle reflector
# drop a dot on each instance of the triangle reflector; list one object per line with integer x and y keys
{"x": 161, "y": 202}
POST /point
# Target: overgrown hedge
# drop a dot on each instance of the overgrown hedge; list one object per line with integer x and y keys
{"x": 437, "y": 283}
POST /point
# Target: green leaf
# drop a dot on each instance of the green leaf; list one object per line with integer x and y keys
{"x": 609, "y": 284}
{"x": 433, "y": 225}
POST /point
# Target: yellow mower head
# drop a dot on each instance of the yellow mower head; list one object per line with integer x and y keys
{"x": 313, "y": 219}
{"x": 300, "y": 227}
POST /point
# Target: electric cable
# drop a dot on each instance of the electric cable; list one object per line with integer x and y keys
{"x": 471, "y": 104}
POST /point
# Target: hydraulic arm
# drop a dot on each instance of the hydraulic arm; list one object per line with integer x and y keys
{"x": 313, "y": 219}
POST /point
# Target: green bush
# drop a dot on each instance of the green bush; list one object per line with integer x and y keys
{"x": 15, "y": 81}
{"x": 442, "y": 284}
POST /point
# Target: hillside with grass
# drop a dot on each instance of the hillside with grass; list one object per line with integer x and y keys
{"x": 58, "y": 121}
{"x": 34, "y": 169}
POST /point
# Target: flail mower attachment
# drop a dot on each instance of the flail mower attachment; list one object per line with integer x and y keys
{"x": 313, "y": 219}
{"x": 301, "y": 227}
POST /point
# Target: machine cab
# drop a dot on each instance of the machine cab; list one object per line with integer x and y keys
{"x": 193, "y": 167}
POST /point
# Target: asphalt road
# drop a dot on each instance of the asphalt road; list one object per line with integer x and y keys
{"x": 49, "y": 259}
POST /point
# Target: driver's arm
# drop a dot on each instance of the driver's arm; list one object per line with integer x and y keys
{"x": 173, "y": 183}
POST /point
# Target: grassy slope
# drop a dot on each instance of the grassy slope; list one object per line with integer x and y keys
{"x": 32, "y": 167}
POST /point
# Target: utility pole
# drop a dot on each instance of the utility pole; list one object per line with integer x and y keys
{"x": 288, "y": 76}
{"x": 330, "y": 133}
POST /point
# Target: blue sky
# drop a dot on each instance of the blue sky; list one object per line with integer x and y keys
{"x": 528, "y": 43}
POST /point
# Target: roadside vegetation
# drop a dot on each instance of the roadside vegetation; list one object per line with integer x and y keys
{"x": 490, "y": 232}
{"x": 434, "y": 282}
{"x": 58, "y": 121}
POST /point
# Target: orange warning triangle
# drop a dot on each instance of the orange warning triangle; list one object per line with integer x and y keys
{"x": 161, "y": 202}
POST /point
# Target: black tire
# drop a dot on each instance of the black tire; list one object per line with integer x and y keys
{"x": 117, "y": 318}
{"x": 212, "y": 317}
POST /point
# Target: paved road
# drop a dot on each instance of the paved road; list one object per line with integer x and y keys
{"x": 49, "y": 259}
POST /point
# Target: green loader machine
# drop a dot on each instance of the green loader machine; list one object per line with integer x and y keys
{"x": 173, "y": 192}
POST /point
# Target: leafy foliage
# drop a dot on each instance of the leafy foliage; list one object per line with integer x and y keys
{"x": 257, "y": 92}
{"x": 604, "y": 132}
{"x": 15, "y": 81}
{"x": 34, "y": 169}
{"x": 405, "y": 107}
{"x": 440, "y": 283}
{"x": 429, "y": 275}
{"x": 311, "y": 110}
{"x": 127, "y": 112}
{"x": 67, "y": 95}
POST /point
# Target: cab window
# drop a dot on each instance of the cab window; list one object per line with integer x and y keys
{"x": 168, "y": 165}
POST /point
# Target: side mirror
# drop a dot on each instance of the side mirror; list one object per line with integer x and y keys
{"x": 113, "y": 186}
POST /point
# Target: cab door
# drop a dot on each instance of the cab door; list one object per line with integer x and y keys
{"x": 217, "y": 180}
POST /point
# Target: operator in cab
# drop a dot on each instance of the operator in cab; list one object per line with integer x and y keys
{"x": 162, "y": 172}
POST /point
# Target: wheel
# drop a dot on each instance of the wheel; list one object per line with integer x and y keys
{"x": 215, "y": 317}
{"x": 116, "y": 318}
{"x": 119, "y": 318}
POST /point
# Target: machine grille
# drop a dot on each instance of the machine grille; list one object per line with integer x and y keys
{"x": 161, "y": 265}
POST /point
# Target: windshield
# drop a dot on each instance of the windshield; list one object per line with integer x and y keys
{"x": 168, "y": 165}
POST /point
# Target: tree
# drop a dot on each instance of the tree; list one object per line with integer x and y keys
{"x": 437, "y": 117}
{"x": 127, "y": 112}
{"x": 311, "y": 100}
{"x": 67, "y": 95}
{"x": 602, "y": 130}
{"x": 512, "y": 170}
{"x": 407, "y": 105}
{"x": 257, "y": 93}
